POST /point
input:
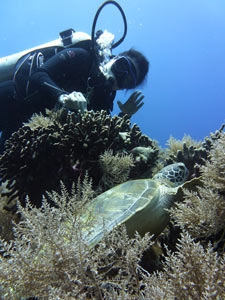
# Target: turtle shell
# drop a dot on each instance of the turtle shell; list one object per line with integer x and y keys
{"x": 135, "y": 203}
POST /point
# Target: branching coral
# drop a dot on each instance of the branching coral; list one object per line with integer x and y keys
{"x": 191, "y": 152}
{"x": 6, "y": 218}
{"x": 116, "y": 169}
{"x": 49, "y": 258}
{"x": 145, "y": 156}
{"x": 192, "y": 273}
{"x": 187, "y": 151}
{"x": 175, "y": 145}
{"x": 63, "y": 147}
{"x": 203, "y": 212}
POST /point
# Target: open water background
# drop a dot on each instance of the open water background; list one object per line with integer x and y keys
{"x": 184, "y": 40}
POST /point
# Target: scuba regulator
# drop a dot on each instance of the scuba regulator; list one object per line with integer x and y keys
{"x": 67, "y": 38}
{"x": 95, "y": 22}
{"x": 101, "y": 56}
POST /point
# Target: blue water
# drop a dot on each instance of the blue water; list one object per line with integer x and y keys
{"x": 183, "y": 40}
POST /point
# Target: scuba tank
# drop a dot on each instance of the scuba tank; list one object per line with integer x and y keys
{"x": 68, "y": 38}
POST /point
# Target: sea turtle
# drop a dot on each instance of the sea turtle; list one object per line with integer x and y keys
{"x": 139, "y": 204}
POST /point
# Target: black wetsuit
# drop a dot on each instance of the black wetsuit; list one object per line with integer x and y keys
{"x": 72, "y": 69}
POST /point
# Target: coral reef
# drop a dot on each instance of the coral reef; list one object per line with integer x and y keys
{"x": 43, "y": 254}
{"x": 202, "y": 213}
{"x": 192, "y": 272}
{"x": 144, "y": 156}
{"x": 115, "y": 169}
{"x": 6, "y": 218}
{"x": 63, "y": 146}
{"x": 48, "y": 259}
{"x": 187, "y": 151}
{"x": 191, "y": 152}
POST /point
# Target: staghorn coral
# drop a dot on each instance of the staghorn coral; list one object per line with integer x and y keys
{"x": 202, "y": 213}
{"x": 63, "y": 146}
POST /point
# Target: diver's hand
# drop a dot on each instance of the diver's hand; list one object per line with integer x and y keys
{"x": 74, "y": 101}
{"x": 133, "y": 104}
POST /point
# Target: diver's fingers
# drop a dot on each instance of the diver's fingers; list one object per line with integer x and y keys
{"x": 137, "y": 95}
{"x": 132, "y": 97}
{"x": 135, "y": 92}
{"x": 139, "y": 100}
{"x": 139, "y": 106}
{"x": 120, "y": 104}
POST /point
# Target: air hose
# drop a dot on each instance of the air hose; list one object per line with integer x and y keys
{"x": 96, "y": 18}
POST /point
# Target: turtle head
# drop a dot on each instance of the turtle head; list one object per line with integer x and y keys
{"x": 173, "y": 175}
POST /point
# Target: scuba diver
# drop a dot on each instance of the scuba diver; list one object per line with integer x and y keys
{"x": 77, "y": 76}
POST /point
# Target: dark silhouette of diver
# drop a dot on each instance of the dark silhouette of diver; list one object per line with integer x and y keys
{"x": 72, "y": 78}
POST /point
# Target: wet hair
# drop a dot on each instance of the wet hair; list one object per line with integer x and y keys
{"x": 140, "y": 62}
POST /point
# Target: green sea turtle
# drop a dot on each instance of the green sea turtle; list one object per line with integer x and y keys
{"x": 139, "y": 204}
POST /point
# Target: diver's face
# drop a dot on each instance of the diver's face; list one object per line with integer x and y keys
{"x": 124, "y": 72}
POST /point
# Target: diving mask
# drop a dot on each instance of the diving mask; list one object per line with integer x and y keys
{"x": 125, "y": 73}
